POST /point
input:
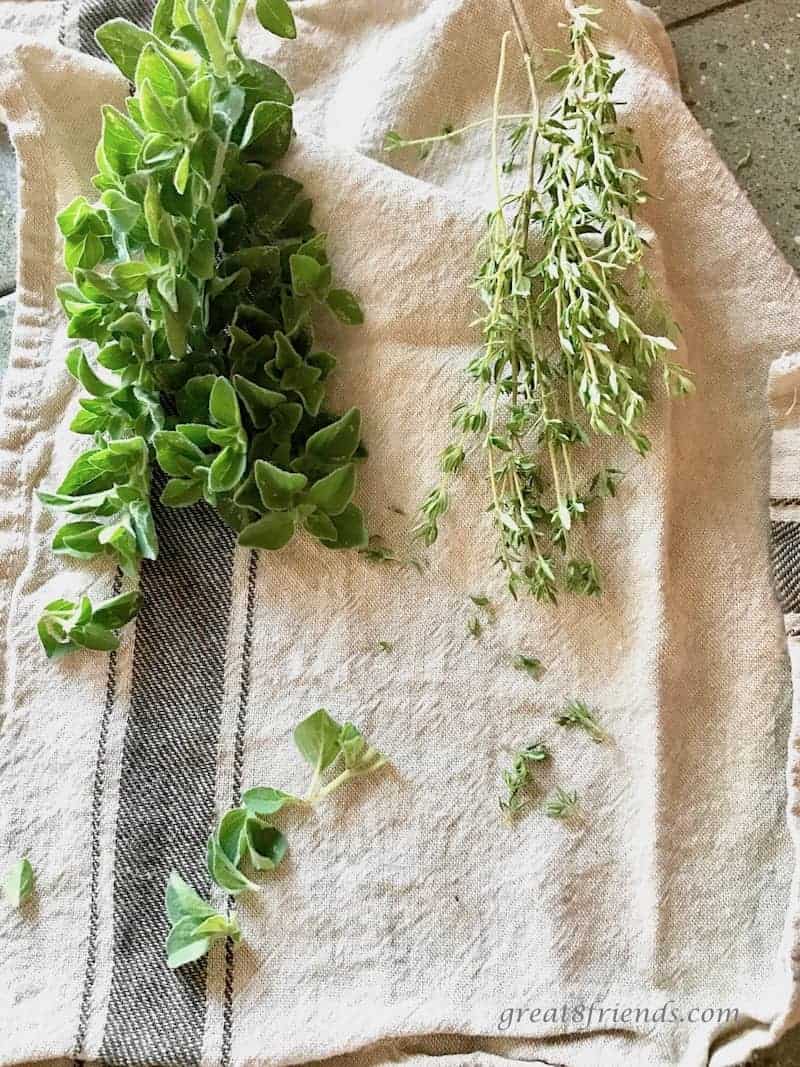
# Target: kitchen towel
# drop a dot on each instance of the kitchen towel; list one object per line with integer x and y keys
{"x": 409, "y": 924}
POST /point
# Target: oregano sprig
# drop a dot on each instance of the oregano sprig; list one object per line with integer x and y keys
{"x": 245, "y": 843}
{"x": 196, "y": 276}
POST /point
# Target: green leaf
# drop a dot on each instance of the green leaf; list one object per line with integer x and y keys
{"x": 155, "y": 115}
{"x": 181, "y": 493}
{"x": 272, "y": 532}
{"x": 176, "y": 454}
{"x": 317, "y": 740}
{"x": 163, "y": 20}
{"x": 338, "y": 442}
{"x": 227, "y": 470}
{"x": 120, "y": 141}
{"x": 278, "y": 488}
{"x": 266, "y": 845}
{"x": 309, "y": 277}
{"x": 184, "y": 944}
{"x": 345, "y": 307}
{"x": 79, "y": 368}
{"x": 78, "y": 539}
{"x": 223, "y": 872}
{"x": 334, "y": 492}
{"x": 270, "y": 123}
{"x": 231, "y": 836}
{"x": 261, "y": 82}
{"x": 223, "y": 405}
{"x": 117, "y": 611}
{"x": 319, "y": 525}
{"x": 123, "y": 43}
{"x": 18, "y": 883}
{"x": 184, "y": 902}
{"x": 259, "y": 402}
{"x": 350, "y": 529}
{"x": 262, "y": 800}
{"x": 276, "y": 16}
{"x": 165, "y": 79}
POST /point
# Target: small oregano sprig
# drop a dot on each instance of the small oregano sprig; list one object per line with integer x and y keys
{"x": 572, "y": 326}
{"x": 519, "y": 778}
{"x": 195, "y": 925}
{"x": 196, "y": 276}
{"x": 19, "y": 882}
{"x": 66, "y": 625}
{"x": 245, "y": 839}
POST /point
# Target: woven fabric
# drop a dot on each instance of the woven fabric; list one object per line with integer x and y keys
{"x": 408, "y": 920}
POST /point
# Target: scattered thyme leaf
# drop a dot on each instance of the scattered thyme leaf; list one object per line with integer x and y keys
{"x": 577, "y": 714}
{"x": 532, "y": 666}
{"x": 564, "y": 805}
{"x": 520, "y": 776}
{"x": 474, "y": 628}
{"x": 386, "y": 646}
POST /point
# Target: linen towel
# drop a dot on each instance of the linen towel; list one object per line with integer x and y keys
{"x": 408, "y": 920}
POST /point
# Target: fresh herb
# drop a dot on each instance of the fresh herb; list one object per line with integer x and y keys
{"x": 520, "y": 778}
{"x": 474, "y": 627}
{"x": 568, "y": 347}
{"x": 242, "y": 837}
{"x": 197, "y": 274}
{"x": 329, "y": 746}
{"x": 532, "y": 666}
{"x": 18, "y": 883}
{"x": 195, "y": 925}
{"x": 245, "y": 839}
{"x": 485, "y": 604}
{"x": 563, "y": 805}
{"x": 577, "y": 714}
{"x": 66, "y": 625}
{"x": 264, "y": 801}
{"x": 386, "y": 646}
{"x": 378, "y": 552}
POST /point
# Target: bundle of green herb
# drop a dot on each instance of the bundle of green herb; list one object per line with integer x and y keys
{"x": 196, "y": 274}
{"x": 246, "y": 838}
{"x": 565, "y": 354}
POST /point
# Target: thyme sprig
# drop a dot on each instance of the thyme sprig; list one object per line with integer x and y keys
{"x": 519, "y": 778}
{"x": 577, "y": 714}
{"x": 568, "y": 343}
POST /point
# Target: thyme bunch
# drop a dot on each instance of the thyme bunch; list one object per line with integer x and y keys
{"x": 568, "y": 344}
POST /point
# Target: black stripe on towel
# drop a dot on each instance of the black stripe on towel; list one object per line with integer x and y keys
{"x": 167, "y": 787}
{"x": 98, "y": 796}
{"x": 786, "y": 564}
{"x": 236, "y": 787}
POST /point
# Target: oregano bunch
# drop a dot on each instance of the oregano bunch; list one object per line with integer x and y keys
{"x": 571, "y": 324}
{"x": 196, "y": 275}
